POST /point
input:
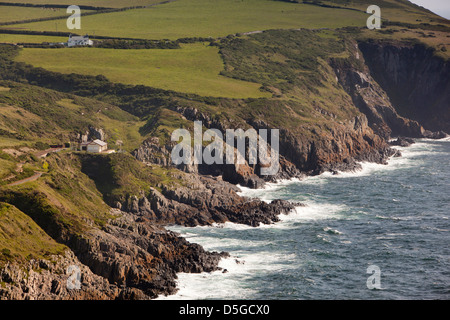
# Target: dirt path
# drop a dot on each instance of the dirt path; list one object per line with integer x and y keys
{"x": 37, "y": 174}
{"x": 44, "y": 153}
{"x": 34, "y": 177}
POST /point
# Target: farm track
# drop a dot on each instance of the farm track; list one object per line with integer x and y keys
{"x": 34, "y": 177}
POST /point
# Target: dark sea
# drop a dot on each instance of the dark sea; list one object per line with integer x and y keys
{"x": 380, "y": 233}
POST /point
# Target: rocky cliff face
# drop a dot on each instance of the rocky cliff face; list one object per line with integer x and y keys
{"x": 47, "y": 279}
{"x": 334, "y": 146}
{"x": 91, "y": 134}
{"x": 132, "y": 252}
{"x": 130, "y": 258}
{"x": 383, "y": 88}
{"x": 415, "y": 79}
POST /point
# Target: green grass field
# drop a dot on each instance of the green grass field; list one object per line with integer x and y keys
{"x": 13, "y": 13}
{"x": 204, "y": 18}
{"x": 194, "y": 68}
{"x": 96, "y": 3}
{"x": 24, "y": 38}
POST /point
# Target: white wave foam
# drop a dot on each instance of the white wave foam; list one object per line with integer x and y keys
{"x": 215, "y": 285}
{"x": 207, "y": 236}
{"x": 233, "y": 283}
{"x": 332, "y": 231}
{"x": 257, "y": 193}
{"x": 268, "y": 189}
{"x": 408, "y": 159}
{"x": 313, "y": 211}
{"x": 442, "y": 139}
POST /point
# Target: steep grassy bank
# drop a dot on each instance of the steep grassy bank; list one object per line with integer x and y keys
{"x": 63, "y": 202}
{"x": 22, "y": 239}
{"x": 120, "y": 176}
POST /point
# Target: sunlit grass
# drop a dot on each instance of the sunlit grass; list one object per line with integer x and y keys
{"x": 14, "y": 13}
{"x": 194, "y": 68}
{"x": 96, "y": 3}
{"x": 24, "y": 38}
{"x": 204, "y": 18}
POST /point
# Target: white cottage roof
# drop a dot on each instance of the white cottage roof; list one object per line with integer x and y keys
{"x": 100, "y": 143}
{"x": 78, "y": 38}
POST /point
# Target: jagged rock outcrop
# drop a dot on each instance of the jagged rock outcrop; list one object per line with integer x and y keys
{"x": 151, "y": 151}
{"x": 48, "y": 279}
{"x": 91, "y": 134}
{"x": 402, "y": 142}
{"x": 130, "y": 258}
{"x": 203, "y": 201}
{"x": 131, "y": 251}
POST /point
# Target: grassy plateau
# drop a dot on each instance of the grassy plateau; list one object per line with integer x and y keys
{"x": 194, "y": 68}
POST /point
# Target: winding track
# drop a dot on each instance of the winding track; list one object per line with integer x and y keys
{"x": 34, "y": 177}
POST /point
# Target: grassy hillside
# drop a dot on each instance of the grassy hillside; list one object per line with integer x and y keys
{"x": 97, "y": 3}
{"x": 14, "y": 13}
{"x": 21, "y": 238}
{"x": 69, "y": 199}
{"x": 195, "y": 68}
{"x": 63, "y": 201}
{"x": 119, "y": 176}
{"x": 32, "y": 114}
{"x": 207, "y": 18}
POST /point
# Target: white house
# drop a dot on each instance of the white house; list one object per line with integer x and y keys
{"x": 97, "y": 146}
{"x": 79, "y": 41}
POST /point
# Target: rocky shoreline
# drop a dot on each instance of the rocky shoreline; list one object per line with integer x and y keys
{"x": 130, "y": 258}
{"x": 134, "y": 257}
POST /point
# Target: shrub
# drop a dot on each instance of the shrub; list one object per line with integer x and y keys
{"x": 41, "y": 145}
